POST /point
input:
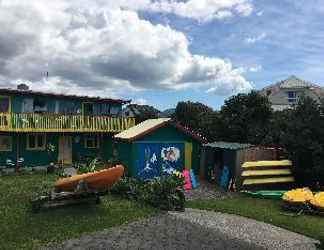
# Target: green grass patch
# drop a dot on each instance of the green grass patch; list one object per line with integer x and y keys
{"x": 269, "y": 211}
{"x": 22, "y": 229}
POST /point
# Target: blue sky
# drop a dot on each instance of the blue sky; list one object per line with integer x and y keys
{"x": 159, "y": 52}
{"x": 291, "y": 42}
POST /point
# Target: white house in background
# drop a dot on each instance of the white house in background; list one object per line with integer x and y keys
{"x": 285, "y": 94}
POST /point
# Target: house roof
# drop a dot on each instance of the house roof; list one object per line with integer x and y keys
{"x": 151, "y": 125}
{"x": 295, "y": 82}
{"x": 141, "y": 109}
{"x": 8, "y": 91}
{"x": 167, "y": 112}
{"x": 292, "y": 82}
{"x": 228, "y": 145}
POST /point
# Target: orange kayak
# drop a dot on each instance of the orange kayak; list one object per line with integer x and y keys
{"x": 99, "y": 180}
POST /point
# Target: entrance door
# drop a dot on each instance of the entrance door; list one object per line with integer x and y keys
{"x": 65, "y": 150}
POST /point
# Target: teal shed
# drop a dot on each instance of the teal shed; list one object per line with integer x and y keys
{"x": 157, "y": 145}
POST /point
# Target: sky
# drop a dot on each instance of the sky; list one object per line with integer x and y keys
{"x": 160, "y": 52}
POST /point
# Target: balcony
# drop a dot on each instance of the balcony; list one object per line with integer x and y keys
{"x": 31, "y": 122}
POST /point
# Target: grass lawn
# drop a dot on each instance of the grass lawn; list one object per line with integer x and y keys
{"x": 22, "y": 229}
{"x": 265, "y": 210}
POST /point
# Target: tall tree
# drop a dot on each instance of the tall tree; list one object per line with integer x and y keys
{"x": 303, "y": 137}
{"x": 197, "y": 116}
{"x": 244, "y": 118}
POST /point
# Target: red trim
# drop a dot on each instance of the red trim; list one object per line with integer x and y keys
{"x": 190, "y": 133}
{"x": 63, "y": 96}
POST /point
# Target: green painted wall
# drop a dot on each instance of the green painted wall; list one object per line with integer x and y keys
{"x": 167, "y": 133}
{"x": 41, "y": 157}
{"x": 79, "y": 150}
{"x": 107, "y": 144}
{"x": 36, "y": 157}
{"x": 125, "y": 155}
{"x": 11, "y": 155}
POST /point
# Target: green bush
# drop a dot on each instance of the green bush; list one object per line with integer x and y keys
{"x": 165, "y": 192}
{"x": 88, "y": 167}
{"x": 128, "y": 188}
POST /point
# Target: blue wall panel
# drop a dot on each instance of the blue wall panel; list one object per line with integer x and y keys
{"x": 155, "y": 158}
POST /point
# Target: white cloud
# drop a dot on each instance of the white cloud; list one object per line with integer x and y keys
{"x": 252, "y": 40}
{"x": 260, "y": 13}
{"x": 255, "y": 68}
{"x": 203, "y": 10}
{"x": 140, "y": 101}
{"x": 102, "y": 50}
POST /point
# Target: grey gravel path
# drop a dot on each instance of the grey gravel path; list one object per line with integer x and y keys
{"x": 206, "y": 191}
{"x": 193, "y": 229}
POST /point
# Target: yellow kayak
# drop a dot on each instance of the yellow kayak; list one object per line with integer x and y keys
{"x": 99, "y": 180}
{"x": 298, "y": 196}
{"x": 318, "y": 201}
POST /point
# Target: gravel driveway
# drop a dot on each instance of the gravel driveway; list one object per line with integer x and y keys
{"x": 193, "y": 229}
{"x": 206, "y": 191}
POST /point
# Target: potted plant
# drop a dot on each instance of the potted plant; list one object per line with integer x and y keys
{"x": 50, "y": 148}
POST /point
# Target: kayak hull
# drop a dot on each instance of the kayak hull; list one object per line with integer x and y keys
{"x": 265, "y": 194}
{"x": 99, "y": 180}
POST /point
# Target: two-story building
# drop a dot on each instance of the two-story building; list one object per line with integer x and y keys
{"x": 285, "y": 94}
{"x": 77, "y": 126}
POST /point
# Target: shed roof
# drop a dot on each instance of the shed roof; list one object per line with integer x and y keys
{"x": 150, "y": 125}
{"x": 142, "y": 128}
{"x": 228, "y": 145}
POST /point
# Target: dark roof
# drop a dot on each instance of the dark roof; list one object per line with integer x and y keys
{"x": 228, "y": 145}
{"x": 143, "y": 109}
{"x": 167, "y": 112}
{"x": 6, "y": 91}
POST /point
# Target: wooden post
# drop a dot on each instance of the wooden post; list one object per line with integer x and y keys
{"x": 17, "y": 153}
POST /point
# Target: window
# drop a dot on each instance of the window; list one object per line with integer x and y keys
{"x": 40, "y": 105}
{"x": 5, "y": 143}
{"x": 292, "y": 96}
{"x": 115, "y": 110}
{"x": 91, "y": 141}
{"x": 67, "y": 107}
{"x": 36, "y": 142}
{"x": 4, "y": 104}
{"x": 88, "y": 108}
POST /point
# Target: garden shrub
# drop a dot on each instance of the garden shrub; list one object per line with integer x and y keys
{"x": 165, "y": 192}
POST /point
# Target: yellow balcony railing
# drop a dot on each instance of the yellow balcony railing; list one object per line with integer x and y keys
{"x": 31, "y": 122}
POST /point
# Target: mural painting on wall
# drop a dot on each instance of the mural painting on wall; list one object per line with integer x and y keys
{"x": 156, "y": 159}
{"x": 170, "y": 157}
{"x": 150, "y": 168}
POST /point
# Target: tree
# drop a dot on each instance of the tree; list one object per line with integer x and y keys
{"x": 303, "y": 137}
{"x": 198, "y": 117}
{"x": 244, "y": 118}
